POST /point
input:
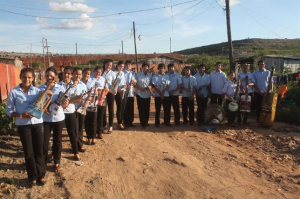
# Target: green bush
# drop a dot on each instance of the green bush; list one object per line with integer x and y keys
{"x": 293, "y": 94}
{"x": 6, "y": 123}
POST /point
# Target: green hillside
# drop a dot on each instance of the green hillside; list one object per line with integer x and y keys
{"x": 250, "y": 47}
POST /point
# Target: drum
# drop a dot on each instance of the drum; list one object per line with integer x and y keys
{"x": 245, "y": 104}
{"x": 214, "y": 114}
{"x": 233, "y": 106}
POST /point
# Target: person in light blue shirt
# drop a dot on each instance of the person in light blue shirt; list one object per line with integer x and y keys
{"x": 217, "y": 81}
{"x": 174, "y": 88}
{"x": 143, "y": 94}
{"x": 29, "y": 128}
{"x": 70, "y": 114}
{"x": 202, "y": 92}
{"x": 161, "y": 82}
{"x": 81, "y": 90}
{"x": 53, "y": 122}
{"x": 120, "y": 96}
{"x": 262, "y": 78}
{"x": 110, "y": 77}
{"x": 130, "y": 82}
{"x": 188, "y": 91}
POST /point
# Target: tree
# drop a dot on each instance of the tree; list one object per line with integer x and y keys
{"x": 93, "y": 62}
{"x": 37, "y": 65}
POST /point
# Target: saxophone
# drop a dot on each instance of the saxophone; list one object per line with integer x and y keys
{"x": 82, "y": 109}
{"x": 55, "y": 106}
{"x": 114, "y": 86}
{"x": 102, "y": 93}
{"x": 93, "y": 107}
{"x": 41, "y": 104}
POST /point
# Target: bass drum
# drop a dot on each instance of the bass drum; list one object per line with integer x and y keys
{"x": 214, "y": 114}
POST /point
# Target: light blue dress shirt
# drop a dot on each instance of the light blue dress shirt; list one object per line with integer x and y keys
{"x": 229, "y": 88}
{"x": 175, "y": 80}
{"x": 18, "y": 102}
{"x": 81, "y": 88}
{"x": 129, "y": 75}
{"x": 262, "y": 79}
{"x": 186, "y": 82}
{"x": 110, "y": 76}
{"x": 59, "y": 116}
{"x": 243, "y": 80}
{"x": 161, "y": 82}
{"x": 121, "y": 80}
{"x": 143, "y": 80}
{"x": 217, "y": 81}
{"x": 203, "y": 80}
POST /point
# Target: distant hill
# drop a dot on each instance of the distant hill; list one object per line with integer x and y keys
{"x": 250, "y": 47}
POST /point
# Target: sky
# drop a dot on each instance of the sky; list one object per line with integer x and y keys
{"x": 100, "y": 26}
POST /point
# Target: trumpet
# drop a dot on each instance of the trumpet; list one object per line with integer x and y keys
{"x": 75, "y": 99}
{"x": 114, "y": 85}
{"x": 82, "y": 109}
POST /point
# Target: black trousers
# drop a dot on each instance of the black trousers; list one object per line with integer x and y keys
{"x": 129, "y": 110}
{"x": 188, "y": 108}
{"x": 32, "y": 139}
{"x": 174, "y": 102}
{"x": 100, "y": 119}
{"x": 230, "y": 114}
{"x": 90, "y": 124}
{"x": 216, "y": 99}
{"x": 120, "y": 107}
{"x": 72, "y": 129}
{"x": 202, "y": 104}
{"x": 80, "y": 122}
{"x": 110, "y": 98}
{"x": 245, "y": 113}
{"x": 56, "y": 127}
{"x": 258, "y": 102}
{"x": 144, "y": 110}
{"x": 166, "y": 106}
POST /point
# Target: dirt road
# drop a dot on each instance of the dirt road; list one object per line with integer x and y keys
{"x": 168, "y": 162}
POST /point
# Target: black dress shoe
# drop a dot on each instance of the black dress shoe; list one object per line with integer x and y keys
{"x": 77, "y": 158}
{"x": 143, "y": 127}
{"x": 156, "y": 125}
{"x": 41, "y": 182}
{"x": 147, "y": 124}
{"x": 82, "y": 150}
{"x": 177, "y": 124}
{"x": 169, "y": 125}
{"x": 131, "y": 125}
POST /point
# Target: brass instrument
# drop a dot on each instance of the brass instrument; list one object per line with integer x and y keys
{"x": 75, "y": 99}
{"x": 268, "y": 107}
{"x": 114, "y": 85}
{"x": 42, "y": 102}
{"x": 82, "y": 109}
{"x": 102, "y": 93}
{"x": 233, "y": 105}
{"x": 93, "y": 107}
{"x": 55, "y": 106}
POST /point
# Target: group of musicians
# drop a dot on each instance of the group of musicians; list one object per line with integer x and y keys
{"x": 97, "y": 90}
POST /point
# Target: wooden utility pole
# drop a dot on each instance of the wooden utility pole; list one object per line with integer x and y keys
{"x": 48, "y": 53}
{"x": 44, "y": 54}
{"x": 136, "y": 60}
{"x": 122, "y": 47}
{"x": 76, "y": 61}
{"x": 170, "y": 45}
{"x": 232, "y": 67}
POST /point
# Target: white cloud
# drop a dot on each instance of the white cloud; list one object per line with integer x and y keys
{"x": 69, "y": 7}
{"x": 65, "y": 0}
{"x": 231, "y": 2}
{"x": 85, "y": 23}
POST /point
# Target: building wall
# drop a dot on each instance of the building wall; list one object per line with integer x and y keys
{"x": 281, "y": 63}
{"x": 7, "y": 79}
{"x": 293, "y": 64}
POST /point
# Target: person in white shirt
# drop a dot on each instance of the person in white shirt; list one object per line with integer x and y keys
{"x": 129, "y": 94}
{"x": 242, "y": 76}
{"x": 217, "y": 81}
{"x": 188, "y": 92}
{"x": 228, "y": 92}
{"x": 160, "y": 83}
{"x": 202, "y": 91}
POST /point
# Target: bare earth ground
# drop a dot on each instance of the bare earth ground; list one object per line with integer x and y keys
{"x": 167, "y": 162}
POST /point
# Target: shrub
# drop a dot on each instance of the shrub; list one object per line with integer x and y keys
{"x": 6, "y": 123}
{"x": 293, "y": 94}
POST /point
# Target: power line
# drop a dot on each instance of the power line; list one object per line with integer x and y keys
{"x": 220, "y": 5}
{"x": 108, "y": 15}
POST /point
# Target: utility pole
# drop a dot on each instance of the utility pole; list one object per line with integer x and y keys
{"x": 170, "y": 45}
{"x": 136, "y": 61}
{"x": 122, "y": 47}
{"x": 232, "y": 67}
{"x": 76, "y": 61}
{"x": 48, "y": 53}
{"x": 31, "y": 55}
{"x": 44, "y": 53}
